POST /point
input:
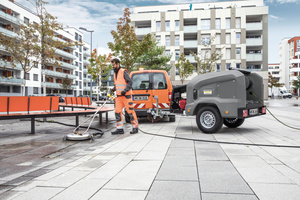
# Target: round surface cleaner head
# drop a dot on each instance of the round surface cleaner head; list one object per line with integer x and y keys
{"x": 76, "y": 136}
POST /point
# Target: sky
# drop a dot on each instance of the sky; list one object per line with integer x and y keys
{"x": 102, "y": 16}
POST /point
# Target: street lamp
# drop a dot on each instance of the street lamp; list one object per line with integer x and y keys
{"x": 91, "y": 31}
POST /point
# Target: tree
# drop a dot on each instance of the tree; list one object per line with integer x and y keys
{"x": 99, "y": 68}
{"x": 20, "y": 49}
{"x": 273, "y": 82}
{"x": 296, "y": 84}
{"x": 47, "y": 29}
{"x": 154, "y": 58}
{"x": 207, "y": 62}
{"x": 185, "y": 68}
{"x": 126, "y": 45}
{"x": 66, "y": 84}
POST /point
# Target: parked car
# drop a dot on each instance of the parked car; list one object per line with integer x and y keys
{"x": 61, "y": 99}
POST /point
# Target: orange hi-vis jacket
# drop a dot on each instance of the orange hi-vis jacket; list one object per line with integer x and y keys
{"x": 120, "y": 82}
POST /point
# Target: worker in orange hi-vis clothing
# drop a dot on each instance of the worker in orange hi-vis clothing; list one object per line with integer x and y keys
{"x": 123, "y": 85}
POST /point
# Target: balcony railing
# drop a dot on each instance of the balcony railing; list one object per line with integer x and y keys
{"x": 86, "y": 79}
{"x": 86, "y": 88}
{"x": 190, "y": 29}
{"x": 8, "y": 65}
{"x": 86, "y": 53}
{"x": 142, "y": 31}
{"x": 59, "y": 74}
{"x": 64, "y": 64}
{"x": 11, "y": 81}
{"x": 55, "y": 85}
{"x": 190, "y": 43}
{"x": 295, "y": 61}
{"x": 86, "y": 62}
{"x": 254, "y": 42}
{"x": 253, "y": 26}
{"x": 191, "y": 59}
{"x": 9, "y": 17}
{"x": 7, "y": 32}
{"x": 65, "y": 54}
{"x": 253, "y": 57}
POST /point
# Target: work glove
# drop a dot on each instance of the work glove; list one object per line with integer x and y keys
{"x": 123, "y": 93}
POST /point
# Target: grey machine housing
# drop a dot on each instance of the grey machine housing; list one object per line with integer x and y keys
{"x": 231, "y": 93}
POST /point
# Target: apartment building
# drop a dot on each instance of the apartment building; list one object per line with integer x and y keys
{"x": 72, "y": 60}
{"x": 294, "y": 61}
{"x": 275, "y": 71}
{"x": 284, "y": 63}
{"x": 239, "y": 29}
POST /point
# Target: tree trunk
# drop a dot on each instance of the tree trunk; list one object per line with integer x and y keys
{"x": 44, "y": 79}
{"x": 24, "y": 84}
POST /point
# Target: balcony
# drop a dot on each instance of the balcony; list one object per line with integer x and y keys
{"x": 8, "y": 32}
{"x": 67, "y": 65}
{"x": 11, "y": 81}
{"x": 190, "y": 44}
{"x": 254, "y": 42}
{"x": 9, "y": 17}
{"x": 295, "y": 69}
{"x": 65, "y": 54}
{"x": 86, "y": 80}
{"x": 190, "y": 29}
{"x": 86, "y": 88}
{"x": 59, "y": 74}
{"x": 142, "y": 31}
{"x": 7, "y": 65}
{"x": 86, "y": 62}
{"x": 253, "y": 26}
{"x": 253, "y": 57}
{"x": 55, "y": 85}
{"x": 295, "y": 61}
{"x": 86, "y": 53}
{"x": 191, "y": 59}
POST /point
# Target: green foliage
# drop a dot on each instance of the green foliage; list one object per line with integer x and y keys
{"x": 206, "y": 63}
{"x": 185, "y": 68}
{"x": 296, "y": 83}
{"x": 154, "y": 58}
{"x": 273, "y": 82}
{"x": 126, "y": 45}
{"x": 66, "y": 84}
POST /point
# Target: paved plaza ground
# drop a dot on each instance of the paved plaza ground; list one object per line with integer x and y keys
{"x": 151, "y": 167}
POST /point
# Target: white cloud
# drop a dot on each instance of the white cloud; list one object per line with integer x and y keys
{"x": 103, "y": 50}
{"x": 273, "y": 17}
{"x": 280, "y": 1}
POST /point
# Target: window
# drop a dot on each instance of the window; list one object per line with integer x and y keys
{"x": 80, "y": 75}
{"x": 159, "y": 81}
{"x": 218, "y": 67}
{"x": 238, "y": 22}
{"x": 205, "y": 39}
{"x": 167, "y": 40}
{"x": 228, "y": 54}
{"x": 238, "y": 38}
{"x": 35, "y": 90}
{"x": 80, "y": 57}
{"x": 157, "y": 26}
{"x": 176, "y": 25}
{"x": 177, "y": 54}
{"x": 27, "y": 76}
{"x": 228, "y": 66}
{"x": 228, "y": 38}
{"x": 176, "y": 40}
{"x": 167, "y": 25}
{"x": 158, "y": 38}
{"x": 218, "y": 38}
{"x": 238, "y": 65}
{"x": 76, "y": 54}
{"x": 16, "y": 89}
{"x": 218, "y": 24}
{"x": 76, "y": 36}
{"x": 35, "y": 77}
{"x": 205, "y": 53}
{"x": 205, "y": 24}
{"x": 168, "y": 52}
{"x": 140, "y": 81}
{"x": 26, "y": 20}
{"x": 238, "y": 53}
{"x": 76, "y": 73}
{"x": 227, "y": 23}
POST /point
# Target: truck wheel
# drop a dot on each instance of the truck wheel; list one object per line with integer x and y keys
{"x": 233, "y": 122}
{"x": 209, "y": 119}
{"x": 172, "y": 118}
{"x": 127, "y": 117}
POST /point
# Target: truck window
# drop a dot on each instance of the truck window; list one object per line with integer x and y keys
{"x": 140, "y": 81}
{"x": 159, "y": 81}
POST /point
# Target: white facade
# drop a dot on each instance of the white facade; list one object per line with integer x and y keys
{"x": 71, "y": 59}
{"x": 284, "y": 62}
{"x": 276, "y": 72}
{"x": 240, "y": 29}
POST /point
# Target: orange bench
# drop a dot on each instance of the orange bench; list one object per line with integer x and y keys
{"x": 15, "y": 107}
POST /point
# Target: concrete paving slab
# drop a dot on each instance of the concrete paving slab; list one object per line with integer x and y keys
{"x": 41, "y": 193}
{"x": 109, "y": 194}
{"x": 214, "y": 196}
{"x": 175, "y": 190}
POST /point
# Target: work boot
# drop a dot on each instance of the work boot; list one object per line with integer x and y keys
{"x": 134, "y": 130}
{"x": 117, "y": 131}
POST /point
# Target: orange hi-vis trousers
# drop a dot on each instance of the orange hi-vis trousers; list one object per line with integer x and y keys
{"x": 120, "y": 102}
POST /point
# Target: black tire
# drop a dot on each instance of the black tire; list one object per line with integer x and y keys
{"x": 172, "y": 118}
{"x": 233, "y": 122}
{"x": 209, "y": 120}
{"x": 284, "y": 97}
{"x": 127, "y": 117}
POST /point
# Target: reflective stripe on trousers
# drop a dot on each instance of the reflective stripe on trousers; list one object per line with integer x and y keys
{"x": 120, "y": 102}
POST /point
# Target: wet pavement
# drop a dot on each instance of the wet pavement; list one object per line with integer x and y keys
{"x": 143, "y": 166}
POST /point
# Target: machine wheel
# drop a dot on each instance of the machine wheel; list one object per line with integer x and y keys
{"x": 172, "y": 118}
{"x": 284, "y": 97}
{"x": 233, "y": 122}
{"x": 209, "y": 119}
{"x": 127, "y": 117}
